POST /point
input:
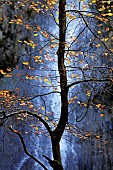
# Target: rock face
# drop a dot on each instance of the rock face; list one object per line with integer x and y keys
{"x": 8, "y": 35}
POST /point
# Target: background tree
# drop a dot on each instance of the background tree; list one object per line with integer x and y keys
{"x": 80, "y": 59}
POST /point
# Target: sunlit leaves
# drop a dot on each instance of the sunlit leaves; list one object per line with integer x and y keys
{"x": 46, "y": 79}
{"x": 8, "y": 99}
{"x": 72, "y": 75}
{"x": 35, "y": 35}
{"x": 101, "y": 115}
{"x": 98, "y": 137}
{"x": 30, "y": 43}
{"x": 28, "y": 27}
{"x": 72, "y": 100}
{"x": 108, "y": 14}
{"x": 2, "y": 72}
{"x": 38, "y": 28}
{"x": 70, "y": 16}
{"x": 106, "y": 39}
{"x": 48, "y": 57}
{"x": 68, "y": 61}
{"x": 4, "y": 92}
{"x": 98, "y": 45}
{"x": 31, "y": 77}
{"x": 19, "y": 21}
{"x": 36, "y": 128}
{"x": 31, "y": 106}
{"x": 40, "y": 115}
{"x": 98, "y": 105}
{"x": 42, "y": 108}
{"x": 45, "y": 57}
{"x": 51, "y": 3}
{"x": 101, "y": 18}
{"x": 102, "y": 8}
{"x": 16, "y": 21}
{"x": 46, "y": 118}
{"x": 99, "y": 32}
{"x": 93, "y": 1}
{"x": 25, "y": 63}
{"x": 46, "y": 34}
{"x": 22, "y": 103}
{"x": 88, "y": 93}
{"x": 38, "y": 59}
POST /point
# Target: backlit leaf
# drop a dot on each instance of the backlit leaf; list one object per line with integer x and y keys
{"x": 35, "y": 35}
{"x": 31, "y": 106}
{"x": 43, "y": 108}
{"x": 101, "y": 114}
{"x": 25, "y": 63}
{"x": 36, "y": 128}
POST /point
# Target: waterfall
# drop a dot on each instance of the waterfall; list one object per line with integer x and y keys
{"x": 21, "y": 163}
{"x": 76, "y": 152}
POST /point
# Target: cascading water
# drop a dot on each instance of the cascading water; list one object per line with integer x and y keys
{"x": 23, "y": 161}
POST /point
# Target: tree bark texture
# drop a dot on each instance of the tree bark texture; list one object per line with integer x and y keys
{"x": 58, "y": 132}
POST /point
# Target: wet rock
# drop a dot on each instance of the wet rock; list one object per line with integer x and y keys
{"x": 8, "y": 44}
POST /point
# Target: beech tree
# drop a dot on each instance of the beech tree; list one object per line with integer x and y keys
{"x": 73, "y": 55}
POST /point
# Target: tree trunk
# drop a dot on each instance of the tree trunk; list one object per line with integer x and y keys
{"x": 58, "y": 132}
{"x": 56, "y": 154}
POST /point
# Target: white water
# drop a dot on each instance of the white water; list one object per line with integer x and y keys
{"x": 55, "y": 101}
{"x": 22, "y": 162}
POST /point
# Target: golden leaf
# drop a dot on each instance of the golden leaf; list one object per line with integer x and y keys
{"x": 35, "y": 35}
{"x": 31, "y": 106}
{"x": 68, "y": 61}
{"x": 36, "y": 128}
{"x": 25, "y": 63}
{"x": 43, "y": 108}
{"x": 40, "y": 115}
{"x": 45, "y": 79}
{"x": 37, "y": 57}
{"x": 98, "y": 45}
{"x": 101, "y": 114}
{"x": 99, "y": 32}
{"x": 46, "y": 118}
{"x": 72, "y": 75}
{"x": 98, "y": 105}
{"x": 98, "y": 137}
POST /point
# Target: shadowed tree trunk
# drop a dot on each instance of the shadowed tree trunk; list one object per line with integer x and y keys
{"x": 58, "y": 132}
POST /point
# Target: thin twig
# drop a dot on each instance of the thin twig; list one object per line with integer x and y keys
{"x": 45, "y": 94}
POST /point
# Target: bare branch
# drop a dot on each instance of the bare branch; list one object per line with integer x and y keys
{"x": 80, "y": 13}
{"x": 24, "y": 147}
{"x": 77, "y": 37}
{"x": 94, "y": 33}
{"x": 78, "y": 119}
{"x": 44, "y": 103}
{"x": 69, "y": 23}
{"x": 54, "y": 18}
{"x": 77, "y": 11}
{"x": 89, "y": 80}
{"x": 29, "y": 113}
{"x": 45, "y": 94}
